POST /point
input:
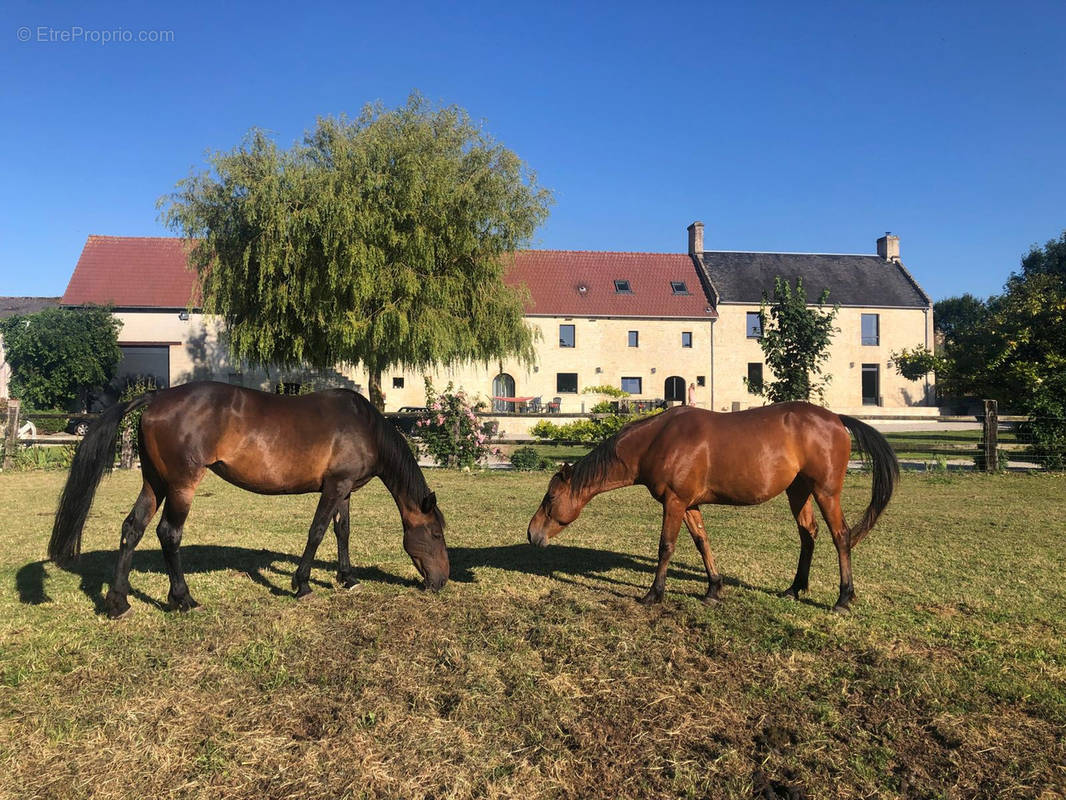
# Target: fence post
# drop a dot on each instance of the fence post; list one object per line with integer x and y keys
{"x": 11, "y": 440}
{"x": 989, "y": 436}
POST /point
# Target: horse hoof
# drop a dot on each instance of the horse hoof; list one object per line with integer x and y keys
{"x": 790, "y": 594}
{"x": 711, "y": 600}
{"x": 839, "y": 609}
{"x": 117, "y": 614}
{"x": 303, "y": 593}
{"x": 352, "y": 586}
{"x": 650, "y": 599}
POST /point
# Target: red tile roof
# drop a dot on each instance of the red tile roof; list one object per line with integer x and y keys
{"x": 581, "y": 283}
{"x": 153, "y": 272}
{"x": 133, "y": 272}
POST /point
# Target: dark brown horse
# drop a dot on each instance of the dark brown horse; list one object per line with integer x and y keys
{"x": 687, "y": 457}
{"x": 332, "y": 442}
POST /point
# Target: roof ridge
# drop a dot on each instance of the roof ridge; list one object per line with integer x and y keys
{"x": 791, "y": 253}
{"x": 164, "y": 238}
{"x": 604, "y": 252}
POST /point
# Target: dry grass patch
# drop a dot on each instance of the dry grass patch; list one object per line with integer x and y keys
{"x": 534, "y": 673}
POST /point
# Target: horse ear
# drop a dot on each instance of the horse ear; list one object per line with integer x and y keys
{"x": 429, "y": 502}
{"x": 566, "y": 471}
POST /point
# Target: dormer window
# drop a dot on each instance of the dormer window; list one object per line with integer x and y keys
{"x": 678, "y": 287}
{"x": 622, "y": 287}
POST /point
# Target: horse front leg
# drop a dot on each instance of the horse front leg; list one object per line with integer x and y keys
{"x": 673, "y": 513}
{"x": 694, "y": 523}
{"x": 332, "y": 495}
{"x": 799, "y": 501}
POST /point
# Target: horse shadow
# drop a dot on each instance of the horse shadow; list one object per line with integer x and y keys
{"x": 268, "y": 568}
{"x": 578, "y": 566}
{"x": 573, "y": 565}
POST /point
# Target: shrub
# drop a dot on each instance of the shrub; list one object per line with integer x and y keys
{"x": 527, "y": 459}
{"x": 589, "y": 431}
{"x": 451, "y": 433}
{"x": 27, "y": 459}
{"x": 131, "y": 423}
{"x": 607, "y": 389}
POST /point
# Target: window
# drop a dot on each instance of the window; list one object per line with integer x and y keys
{"x": 397, "y": 383}
{"x": 753, "y": 325}
{"x": 871, "y": 384}
{"x": 622, "y": 287}
{"x": 678, "y": 287}
{"x": 754, "y": 376}
{"x": 632, "y": 385}
{"x": 871, "y": 329}
{"x": 634, "y": 339}
{"x": 686, "y": 338}
{"x": 566, "y": 382}
{"x": 566, "y": 336}
{"x": 701, "y": 380}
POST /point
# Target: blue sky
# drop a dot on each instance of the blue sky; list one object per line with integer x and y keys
{"x": 797, "y": 127}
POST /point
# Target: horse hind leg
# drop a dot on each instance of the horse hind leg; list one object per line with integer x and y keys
{"x": 169, "y": 531}
{"x": 342, "y": 529}
{"x": 116, "y": 602}
{"x": 799, "y": 501}
{"x": 834, "y": 518}
{"x": 694, "y": 523}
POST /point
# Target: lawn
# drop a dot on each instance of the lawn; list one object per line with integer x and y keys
{"x": 534, "y": 674}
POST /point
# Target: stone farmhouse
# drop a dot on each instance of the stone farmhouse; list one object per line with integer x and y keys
{"x": 662, "y": 326}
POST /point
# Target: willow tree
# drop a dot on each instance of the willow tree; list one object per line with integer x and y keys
{"x": 378, "y": 241}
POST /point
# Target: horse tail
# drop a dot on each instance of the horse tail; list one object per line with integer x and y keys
{"x": 95, "y": 456}
{"x": 876, "y": 449}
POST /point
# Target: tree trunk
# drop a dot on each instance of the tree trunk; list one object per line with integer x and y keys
{"x": 377, "y": 397}
{"x": 126, "y": 452}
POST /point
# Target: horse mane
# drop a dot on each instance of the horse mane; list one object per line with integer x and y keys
{"x": 395, "y": 458}
{"x": 592, "y": 469}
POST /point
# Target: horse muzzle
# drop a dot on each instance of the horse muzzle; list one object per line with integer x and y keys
{"x": 538, "y": 538}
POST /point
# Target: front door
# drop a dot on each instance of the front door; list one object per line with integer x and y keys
{"x": 871, "y": 384}
{"x": 674, "y": 389}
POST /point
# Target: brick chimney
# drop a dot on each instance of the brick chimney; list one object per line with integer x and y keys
{"x": 888, "y": 247}
{"x": 695, "y": 238}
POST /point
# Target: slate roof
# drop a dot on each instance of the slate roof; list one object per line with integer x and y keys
{"x": 581, "y": 283}
{"x": 10, "y": 306}
{"x": 852, "y": 280}
{"x": 132, "y": 272}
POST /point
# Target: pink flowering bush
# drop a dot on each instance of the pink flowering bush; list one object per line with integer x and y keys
{"x": 450, "y": 432}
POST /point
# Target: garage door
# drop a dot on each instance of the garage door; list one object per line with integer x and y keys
{"x": 144, "y": 360}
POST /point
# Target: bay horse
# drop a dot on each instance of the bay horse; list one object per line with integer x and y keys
{"x": 688, "y": 456}
{"x": 333, "y": 442}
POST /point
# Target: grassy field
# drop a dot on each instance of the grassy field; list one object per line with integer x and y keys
{"x": 534, "y": 674}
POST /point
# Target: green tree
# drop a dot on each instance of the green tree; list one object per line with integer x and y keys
{"x": 795, "y": 342}
{"x": 955, "y": 316}
{"x": 59, "y": 355}
{"x": 378, "y": 241}
{"x": 1015, "y": 350}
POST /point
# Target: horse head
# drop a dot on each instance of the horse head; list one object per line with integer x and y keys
{"x": 423, "y": 539}
{"x": 557, "y": 510}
